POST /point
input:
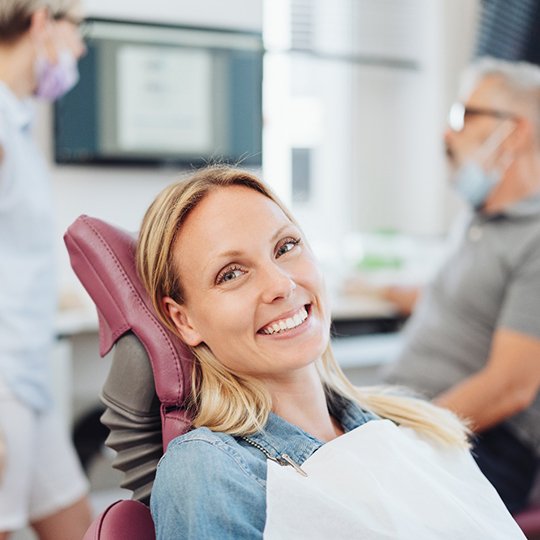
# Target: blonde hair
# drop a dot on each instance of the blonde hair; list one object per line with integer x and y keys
{"x": 230, "y": 402}
{"x": 15, "y": 15}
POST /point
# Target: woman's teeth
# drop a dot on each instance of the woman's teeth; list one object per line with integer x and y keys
{"x": 287, "y": 324}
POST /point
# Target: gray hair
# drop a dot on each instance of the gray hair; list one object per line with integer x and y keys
{"x": 15, "y": 15}
{"x": 520, "y": 84}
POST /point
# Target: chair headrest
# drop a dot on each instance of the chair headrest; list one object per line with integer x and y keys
{"x": 103, "y": 257}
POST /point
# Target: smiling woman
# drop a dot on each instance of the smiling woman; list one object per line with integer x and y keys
{"x": 248, "y": 281}
{"x": 230, "y": 271}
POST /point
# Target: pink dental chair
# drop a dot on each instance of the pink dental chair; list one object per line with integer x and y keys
{"x": 149, "y": 381}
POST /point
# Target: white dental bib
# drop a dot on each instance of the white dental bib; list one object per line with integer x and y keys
{"x": 381, "y": 481}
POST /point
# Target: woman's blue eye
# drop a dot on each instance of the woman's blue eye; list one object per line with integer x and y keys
{"x": 287, "y": 246}
{"x": 229, "y": 275}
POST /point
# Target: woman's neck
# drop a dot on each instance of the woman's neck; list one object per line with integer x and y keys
{"x": 301, "y": 400}
{"x": 16, "y": 68}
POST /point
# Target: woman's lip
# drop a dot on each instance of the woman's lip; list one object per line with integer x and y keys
{"x": 284, "y": 316}
{"x": 292, "y": 333}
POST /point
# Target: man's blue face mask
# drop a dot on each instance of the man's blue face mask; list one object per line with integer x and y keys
{"x": 474, "y": 184}
{"x": 478, "y": 175}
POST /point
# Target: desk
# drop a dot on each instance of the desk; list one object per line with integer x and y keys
{"x": 348, "y": 307}
{"x": 78, "y": 371}
{"x": 365, "y": 336}
{"x": 364, "y": 315}
{"x": 70, "y": 322}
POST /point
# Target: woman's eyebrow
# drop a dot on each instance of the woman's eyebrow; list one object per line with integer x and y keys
{"x": 279, "y": 232}
{"x": 237, "y": 253}
{"x": 228, "y": 254}
{"x": 234, "y": 253}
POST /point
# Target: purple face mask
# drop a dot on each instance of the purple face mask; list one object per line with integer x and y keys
{"x": 55, "y": 80}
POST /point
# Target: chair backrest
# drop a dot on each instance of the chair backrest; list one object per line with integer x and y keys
{"x": 150, "y": 378}
{"x": 103, "y": 257}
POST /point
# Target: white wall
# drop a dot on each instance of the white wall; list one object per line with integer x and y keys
{"x": 400, "y": 167}
{"x": 383, "y": 167}
{"x": 121, "y": 195}
{"x": 244, "y": 14}
{"x": 375, "y": 130}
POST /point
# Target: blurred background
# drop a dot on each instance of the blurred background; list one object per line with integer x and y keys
{"x": 339, "y": 105}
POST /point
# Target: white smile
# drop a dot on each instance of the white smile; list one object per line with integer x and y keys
{"x": 284, "y": 325}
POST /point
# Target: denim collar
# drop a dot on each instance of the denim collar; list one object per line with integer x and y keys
{"x": 280, "y": 437}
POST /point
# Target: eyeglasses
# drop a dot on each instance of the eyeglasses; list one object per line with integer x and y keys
{"x": 458, "y": 113}
{"x": 80, "y": 23}
{"x": 75, "y": 21}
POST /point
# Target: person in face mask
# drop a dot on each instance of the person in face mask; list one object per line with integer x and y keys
{"x": 472, "y": 343}
{"x": 42, "y": 482}
{"x": 476, "y": 177}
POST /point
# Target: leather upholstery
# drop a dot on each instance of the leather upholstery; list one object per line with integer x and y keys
{"x": 103, "y": 257}
{"x": 123, "y": 520}
{"x": 529, "y": 522}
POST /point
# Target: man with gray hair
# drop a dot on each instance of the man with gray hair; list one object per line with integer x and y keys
{"x": 473, "y": 341}
{"x": 42, "y": 482}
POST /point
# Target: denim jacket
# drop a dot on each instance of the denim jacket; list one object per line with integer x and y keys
{"x": 213, "y": 485}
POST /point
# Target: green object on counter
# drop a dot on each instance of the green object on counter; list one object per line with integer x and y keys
{"x": 380, "y": 262}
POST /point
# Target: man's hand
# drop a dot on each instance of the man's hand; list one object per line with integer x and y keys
{"x": 403, "y": 297}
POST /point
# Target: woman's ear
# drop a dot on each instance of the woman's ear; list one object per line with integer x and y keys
{"x": 39, "y": 23}
{"x": 179, "y": 316}
{"x": 41, "y": 32}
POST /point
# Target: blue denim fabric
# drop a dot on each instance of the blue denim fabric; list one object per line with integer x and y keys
{"x": 213, "y": 485}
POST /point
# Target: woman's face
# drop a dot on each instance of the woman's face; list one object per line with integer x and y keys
{"x": 68, "y": 36}
{"x": 254, "y": 293}
{"x": 51, "y": 36}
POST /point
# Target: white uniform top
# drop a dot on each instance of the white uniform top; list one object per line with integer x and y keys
{"x": 382, "y": 482}
{"x": 27, "y": 279}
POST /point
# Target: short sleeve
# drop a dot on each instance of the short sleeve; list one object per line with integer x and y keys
{"x": 202, "y": 491}
{"x": 521, "y": 308}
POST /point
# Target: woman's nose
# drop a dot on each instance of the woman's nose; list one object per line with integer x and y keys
{"x": 80, "y": 48}
{"x": 277, "y": 284}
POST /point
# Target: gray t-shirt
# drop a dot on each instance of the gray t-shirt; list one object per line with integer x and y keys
{"x": 491, "y": 281}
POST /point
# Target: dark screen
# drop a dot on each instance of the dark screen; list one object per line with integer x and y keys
{"x": 155, "y": 94}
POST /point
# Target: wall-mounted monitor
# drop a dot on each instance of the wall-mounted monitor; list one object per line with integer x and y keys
{"x": 158, "y": 94}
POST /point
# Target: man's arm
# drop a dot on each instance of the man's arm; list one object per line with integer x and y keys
{"x": 507, "y": 384}
{"x": 402, "y": 296}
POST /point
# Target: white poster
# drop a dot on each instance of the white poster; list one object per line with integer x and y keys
{"x": 164, "y": 100}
